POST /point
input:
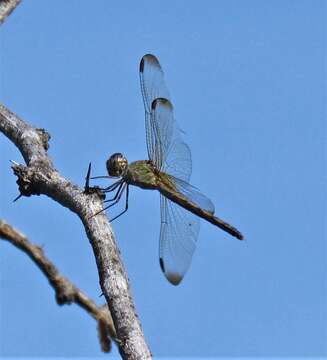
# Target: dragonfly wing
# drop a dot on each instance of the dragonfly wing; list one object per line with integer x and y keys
{"x": 164, "y": 141}
{"x": 152, "y": 81}
{"x": 151, "y": 143}
{"x": 171, "y": 155}
{"x": 159, "y": 130}
{"x": 178, "y": 160}
{"x": 178, "y": 235}
{"x": 153, "y": 87}
{"x": 192, "y": 194}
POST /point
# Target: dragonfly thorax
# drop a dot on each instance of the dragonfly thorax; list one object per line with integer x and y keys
{"x": 117, "y": 165}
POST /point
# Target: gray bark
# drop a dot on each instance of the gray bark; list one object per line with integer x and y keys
{"x": 39, "y": 176}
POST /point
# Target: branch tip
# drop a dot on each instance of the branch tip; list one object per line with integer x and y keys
{"x": 65, "y": 291}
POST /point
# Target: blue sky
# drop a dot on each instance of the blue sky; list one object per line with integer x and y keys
{"x": 247, "y": 80}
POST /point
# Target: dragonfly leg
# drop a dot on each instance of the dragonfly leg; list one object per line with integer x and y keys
{"x": 126, "y": 205}
{"x": 115, "y": 201}
{"x": 117, "y": 196}
{"x": 113, "y": 186}
{"x": 100, "y": 177}
{"x": 117, "y": 193}
{"x": 109, "y": 188}
{"x": 87, "y": 178}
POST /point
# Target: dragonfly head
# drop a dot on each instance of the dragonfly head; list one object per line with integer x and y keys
{"x": 117, "y": 165}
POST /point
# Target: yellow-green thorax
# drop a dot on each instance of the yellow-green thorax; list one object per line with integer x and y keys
{"x": 144, "y": 174}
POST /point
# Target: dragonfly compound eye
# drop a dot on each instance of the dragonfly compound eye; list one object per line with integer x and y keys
{"x": 117, "y": 165}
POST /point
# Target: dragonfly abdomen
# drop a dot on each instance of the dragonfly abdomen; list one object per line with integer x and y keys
{"x": 181, "y": 200}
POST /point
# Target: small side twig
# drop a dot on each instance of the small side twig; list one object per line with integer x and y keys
{"x": 66, "y": 292}
{"x": 39, "y": 176}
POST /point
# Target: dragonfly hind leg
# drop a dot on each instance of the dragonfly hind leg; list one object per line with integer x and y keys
{"x": 114, "y": 200}
{"x": 118, "y": 194}
{"x": 126, "y": 204}
{"x": 113, "y": 186}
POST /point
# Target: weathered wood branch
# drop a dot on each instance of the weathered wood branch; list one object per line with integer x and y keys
{"x": 40, "y": 177}
{"x": 66, "y": 292}
{"x": 6, "y": 8}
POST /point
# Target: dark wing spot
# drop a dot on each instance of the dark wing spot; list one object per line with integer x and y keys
{"x": 163, "y": 101}
{"x": 154, "y": 103}
{"x": 162, "y": 266}
{"x": 142, "y": 65}
{"x": 174, "y": 278}
{"x": 152, "y": 60}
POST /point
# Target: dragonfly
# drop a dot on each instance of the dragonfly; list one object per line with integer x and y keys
{"x": 167, "y": 170}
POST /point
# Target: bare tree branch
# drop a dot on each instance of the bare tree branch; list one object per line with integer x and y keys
{"x": 40, "y": 177}
{"x": 66, "y": 292}
{"x": 6, "y": 8}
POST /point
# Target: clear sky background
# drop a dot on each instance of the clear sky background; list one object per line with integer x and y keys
{"x": 247, "y": 80}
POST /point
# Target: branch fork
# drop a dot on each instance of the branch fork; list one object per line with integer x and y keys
{"x": 39, "y": 176}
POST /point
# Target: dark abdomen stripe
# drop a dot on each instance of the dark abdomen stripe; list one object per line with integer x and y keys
{"x": 181, "y": 200}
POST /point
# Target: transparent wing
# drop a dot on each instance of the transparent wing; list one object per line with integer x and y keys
{"x": 152, "y": 87}
{"x": 164, "y": 142}
{"x": 161, "y": 130}
{"x": 193, "y": 194}
{"x": 178, "y": 161}
{"x": 178, "y": 235}
{"x": 171, "y": 154}
{"x": 152, "y": 81}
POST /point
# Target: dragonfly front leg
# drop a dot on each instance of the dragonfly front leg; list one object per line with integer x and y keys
{"x": 88, "y": 178}
{"x": 109, "y": 188}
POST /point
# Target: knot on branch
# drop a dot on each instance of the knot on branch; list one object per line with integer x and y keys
{"x": 65, "y": 291}
{"x": 44, "y": 137}
{"x": 25, "y": 180}
{"x": 94, "y": 190}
